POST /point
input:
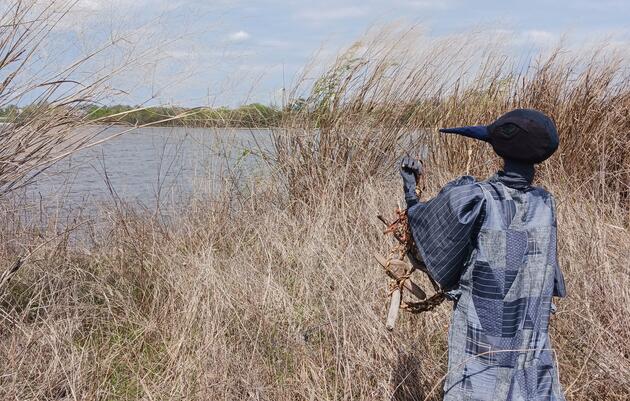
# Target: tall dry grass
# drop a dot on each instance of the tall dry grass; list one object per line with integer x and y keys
{"x": 393, "y": 83}
{"x": 268, "y": 291}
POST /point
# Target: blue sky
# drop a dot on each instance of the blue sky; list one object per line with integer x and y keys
{"x": 223, "y": 52}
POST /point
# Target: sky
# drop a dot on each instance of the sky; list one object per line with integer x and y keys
{"x": 220, "y": 52}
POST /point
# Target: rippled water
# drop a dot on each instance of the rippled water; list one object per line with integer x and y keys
{"x": 149, "y": 166}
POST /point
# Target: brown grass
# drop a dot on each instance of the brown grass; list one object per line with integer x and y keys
{"x": 269, "y": 291}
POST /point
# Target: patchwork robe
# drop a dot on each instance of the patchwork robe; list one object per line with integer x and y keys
{"x": 494, "y": 247}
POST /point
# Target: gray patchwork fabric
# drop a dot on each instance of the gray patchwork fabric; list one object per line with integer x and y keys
{"x": 494, "y": 247}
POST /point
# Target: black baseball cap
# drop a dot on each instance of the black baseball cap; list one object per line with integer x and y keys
{"x": 524, "y": 135}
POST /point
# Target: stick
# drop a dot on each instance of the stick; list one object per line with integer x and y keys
{"x": 394, "y": 306}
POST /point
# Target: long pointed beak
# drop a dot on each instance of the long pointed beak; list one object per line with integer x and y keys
{"x": 480, "y": 132}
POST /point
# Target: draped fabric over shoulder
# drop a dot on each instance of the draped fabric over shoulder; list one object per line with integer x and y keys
{"x": 444, "y": 228}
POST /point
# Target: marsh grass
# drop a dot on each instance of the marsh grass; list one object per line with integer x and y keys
{"x": 268, "y": 290}
{"x": 393, "y": 83}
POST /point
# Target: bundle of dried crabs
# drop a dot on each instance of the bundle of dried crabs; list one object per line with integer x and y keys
{"x": 400, "y": 271}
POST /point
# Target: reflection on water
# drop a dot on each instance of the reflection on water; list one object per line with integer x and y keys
{"x": 149, "y": 166}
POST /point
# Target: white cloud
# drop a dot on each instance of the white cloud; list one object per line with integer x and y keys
{"x": 334, "y": 13}
{"x": 90, "y": 15}
{"x": 429, "y": 4}
{"x": 88, "y": 5}
{"x": 239, "y": 36}
{"x": 539, "y": 37}
{"x": 99, "y": 5}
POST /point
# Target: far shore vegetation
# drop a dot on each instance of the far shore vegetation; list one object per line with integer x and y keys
{"x": 247, "y": 116}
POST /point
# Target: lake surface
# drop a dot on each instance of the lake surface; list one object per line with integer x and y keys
{"x": 150, "y": 166}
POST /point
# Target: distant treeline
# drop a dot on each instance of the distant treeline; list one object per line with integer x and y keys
{"x": 249, "y": 116}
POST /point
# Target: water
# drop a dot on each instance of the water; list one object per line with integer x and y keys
{"x": 150, "y": 166}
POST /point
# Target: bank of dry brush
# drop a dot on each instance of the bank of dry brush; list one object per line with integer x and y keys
{"x": 268, "y": 291}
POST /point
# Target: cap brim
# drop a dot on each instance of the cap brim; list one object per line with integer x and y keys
{"x": 480, "y": 132}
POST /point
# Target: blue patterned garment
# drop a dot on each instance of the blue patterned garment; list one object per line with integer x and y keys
{"x": 494, "y": 247}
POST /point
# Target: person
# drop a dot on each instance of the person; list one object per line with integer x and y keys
{"x": 491, "y": 246}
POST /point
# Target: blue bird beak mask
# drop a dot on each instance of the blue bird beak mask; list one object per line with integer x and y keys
{"x": 523, "y": 135}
